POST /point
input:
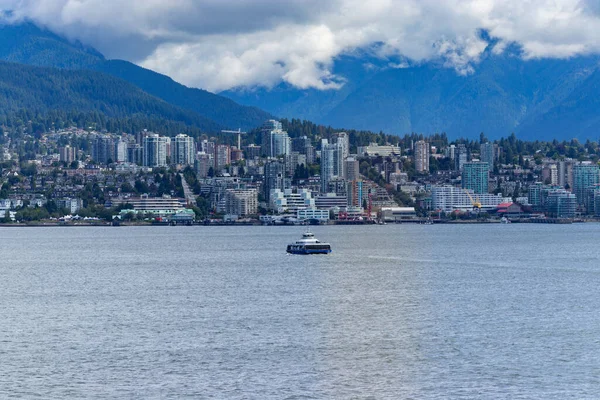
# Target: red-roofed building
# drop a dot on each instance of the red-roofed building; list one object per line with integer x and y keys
{"x": 509, "y": 210}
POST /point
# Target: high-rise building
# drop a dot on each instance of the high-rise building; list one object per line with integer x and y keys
{"x": 204, "y": 162}
{"x": 352, "y": 169}
{"x": 343, "y": 140}
{"x": 252, "y": 151}
{"x": 155, "y": 151}
{"x": 451, "y": 152}
{"x": 67, "y": 154}
{"x": 222, "y": 156}
{"x": 206, "y": 147}
{"x": 475, "y": 176}
{"x": 275, "y": 141}
{"x": 103, "y": 149}
{"x": 121, "y": 151}
{"x": 355, "y": 193}
{"x": 422, "y": 156}
{"x": 274, "y": 178}
{"x": 565, "y": 173}
{"x": 183, "y": 150}
{"x": 299, "y": 144}
{"x": 488, "y": 153}
{"x": 584, "y": 176}
{"x": 134, "y": 153}
{"x": 460, "y": 157}
{"x": 550, "y": 174}
{"x": 332, "y": 163}
{"x": 535, "y": 196}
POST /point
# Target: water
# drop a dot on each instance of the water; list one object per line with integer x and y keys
{"x": 396, "y": 311}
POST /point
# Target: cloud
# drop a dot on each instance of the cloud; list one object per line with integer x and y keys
{"x": 220, "y": 44}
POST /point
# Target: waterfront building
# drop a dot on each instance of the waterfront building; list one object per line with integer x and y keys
{"x": 597, "y": 203}
{"x": 584, "y": 176}
{"x": 561, "y": 204}
{"x": 72, "y": 205}
{"x": 475, "y": 176}
{"x": 289, "y": 200}
{"x": 422, "y": 157}
{"x": 159, "y": 206}
{"x": 330, "y": 200}
{"x": 535, "y": 196}
{"x": 241, "y": 202}
{"x": 451, "y": 198}
{"x": 395, "y": 214}
{"x": 306, "y": 214}
{"x": 184, "y": 150}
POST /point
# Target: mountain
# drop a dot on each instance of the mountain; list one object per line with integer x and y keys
{"x": 222, "y": 110}
{"x": 42, "y": 89}
{"x": 29, "y": 44}
{"x": 536, "y": 99}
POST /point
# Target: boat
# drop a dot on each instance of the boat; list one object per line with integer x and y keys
{"x": 505, "y": 220}
{"x": 309, "y": 245}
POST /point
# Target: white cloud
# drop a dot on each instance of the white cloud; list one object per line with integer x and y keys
{"x": 219, "y": 44}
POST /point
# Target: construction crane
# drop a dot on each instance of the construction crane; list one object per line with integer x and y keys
{"x": 475, "y": 203}
{"x": 239, "y": 133}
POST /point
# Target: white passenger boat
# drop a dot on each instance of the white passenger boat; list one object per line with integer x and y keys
{"x": 309, "y": 245}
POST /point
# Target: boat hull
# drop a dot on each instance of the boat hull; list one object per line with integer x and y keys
{"x": 308, "y": 251}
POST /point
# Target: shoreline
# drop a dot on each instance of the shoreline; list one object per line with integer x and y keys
{"x": 126, "y": 225}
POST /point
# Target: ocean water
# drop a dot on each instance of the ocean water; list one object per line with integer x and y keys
{"x": 395, "y": 312}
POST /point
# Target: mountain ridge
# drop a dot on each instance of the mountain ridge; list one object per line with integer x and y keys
{"x": 505, "y": 94}
{"x": 29, "y": 44}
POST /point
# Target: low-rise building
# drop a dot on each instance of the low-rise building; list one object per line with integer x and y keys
{"x": 288, "y": 200}
{"x": 307, "y": 214}
{"x": 450, "y": 198}
{"x": 394, "y": 214}
{"x": 330, "y": 200}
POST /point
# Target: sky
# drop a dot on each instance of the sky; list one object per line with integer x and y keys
{"x": 223, "y": 44}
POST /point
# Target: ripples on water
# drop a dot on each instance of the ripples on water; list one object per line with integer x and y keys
{"x": 423, "y": 312}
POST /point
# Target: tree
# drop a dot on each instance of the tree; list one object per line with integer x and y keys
{"x": 6, "y": 219}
